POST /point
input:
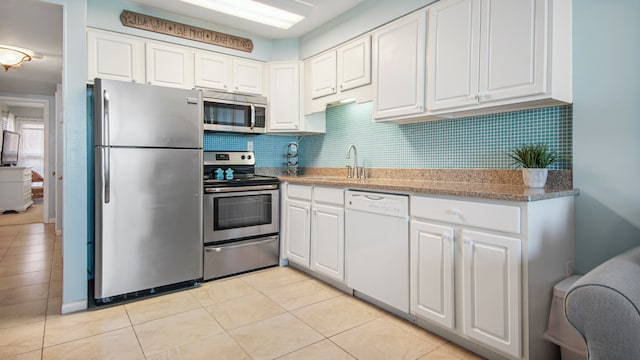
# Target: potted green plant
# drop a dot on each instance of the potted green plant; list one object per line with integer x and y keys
{"x": 534, "y": 160}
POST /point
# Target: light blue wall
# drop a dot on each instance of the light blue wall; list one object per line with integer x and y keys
{"x": 105, "y": 15}
{"x": 606, "y": 129}
{"x": 75, "y": 202}
{"x": 473, "y": 142}
{"x": 359, "y": 20}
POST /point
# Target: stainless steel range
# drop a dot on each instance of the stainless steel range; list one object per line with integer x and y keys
{"x": 241, "y": 215}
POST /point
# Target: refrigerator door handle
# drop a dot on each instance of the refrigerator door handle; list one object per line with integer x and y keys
{"x": 106, "y": 150}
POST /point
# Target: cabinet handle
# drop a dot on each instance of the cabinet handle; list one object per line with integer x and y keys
{"x": 455, "y": 212}
{"x": 468, "y": 242}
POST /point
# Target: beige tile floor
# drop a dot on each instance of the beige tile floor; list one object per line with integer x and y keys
{"x": 278, "y": 313}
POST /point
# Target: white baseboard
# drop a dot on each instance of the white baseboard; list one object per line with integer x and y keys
{"x": 75, "y": 306}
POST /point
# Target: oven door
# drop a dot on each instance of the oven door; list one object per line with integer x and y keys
{"x": 240, "y": 212}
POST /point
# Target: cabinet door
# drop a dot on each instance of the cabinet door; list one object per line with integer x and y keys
{"x": 247, "y": 76}
{"x": 513, "y": 52}
{"x": 452, "y": 50}
{"x": 327, "y": 239}
{"x": 169, "y": 66}
{"x": 285, "y": 97}
{"x": 114, "y": 57}
{"x": 354, "y": 64}
{"x": 298, "y": 230}
{"x": 213, "y": 71}
{"x": 399, "y": 67}
{"x": 432, "y": 269}
{"x": 323, "y": 75}
{"x": 491, "y": 290}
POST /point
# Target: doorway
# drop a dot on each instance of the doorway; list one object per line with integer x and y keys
{"x": 31, "y": 118}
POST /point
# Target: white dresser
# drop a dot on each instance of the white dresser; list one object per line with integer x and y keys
{"x": 15, "y": 188}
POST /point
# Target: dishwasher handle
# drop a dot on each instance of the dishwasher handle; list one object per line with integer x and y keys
{"x": 385, "y": 204}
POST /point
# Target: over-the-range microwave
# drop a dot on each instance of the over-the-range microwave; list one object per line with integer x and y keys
{"x": 230, "y": 112}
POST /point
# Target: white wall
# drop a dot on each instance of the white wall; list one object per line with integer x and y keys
{"x": 606, "y": 129}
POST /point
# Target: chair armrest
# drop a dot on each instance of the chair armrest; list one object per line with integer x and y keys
{"x": 603, "y": 307}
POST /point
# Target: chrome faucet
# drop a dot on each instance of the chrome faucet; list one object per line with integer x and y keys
{"x": 352, "y": 172}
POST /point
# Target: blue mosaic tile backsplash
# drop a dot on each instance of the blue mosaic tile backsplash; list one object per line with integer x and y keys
{"x": 479, "y": 142}
{"x": 270, "y": 150}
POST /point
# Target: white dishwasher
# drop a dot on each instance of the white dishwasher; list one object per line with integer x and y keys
{"x": 377, "y": 246}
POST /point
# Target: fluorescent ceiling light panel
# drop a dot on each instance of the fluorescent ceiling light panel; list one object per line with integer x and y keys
{"x": 251, "y": 10}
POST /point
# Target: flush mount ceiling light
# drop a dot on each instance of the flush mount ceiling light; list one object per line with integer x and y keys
{"x": 251, "y": 10}
{"x": 11, "y": 56}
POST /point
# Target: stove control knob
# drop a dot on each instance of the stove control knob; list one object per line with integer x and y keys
{"x": 249, "y": 157}
{"x": 242, "y": 157}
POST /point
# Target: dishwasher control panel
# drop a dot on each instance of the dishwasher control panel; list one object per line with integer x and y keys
{"x": 377, "y": 203}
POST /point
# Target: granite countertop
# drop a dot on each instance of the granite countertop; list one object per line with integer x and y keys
{"x": 476, "y": 183}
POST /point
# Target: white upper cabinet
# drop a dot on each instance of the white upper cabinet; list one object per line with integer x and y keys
{"x": 323, "y": 75}
{"x": 486, "y": 53}
{"x": 354, "y": 64}
{"x": 212, "y": 71}
{"x": 247, "y": 76}
{"x": 115, "y": 57}
{"x": 225, "y": 73}
{"x": 399, "y": 67}
{"x": 169, "y": 65}
{"x": 284, "y": 97}
{"x": 452, "y": 74}
{"x": 341, "y": 73}
{"x": 286, "y": 101}
{"x": 342, "y": 69}
{"x": 513, "y": 48}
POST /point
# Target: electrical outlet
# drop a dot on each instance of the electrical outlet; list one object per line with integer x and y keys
{"x": 249, "y": 145}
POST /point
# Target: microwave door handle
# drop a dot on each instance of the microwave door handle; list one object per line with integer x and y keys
{"x": 253, "y": 116}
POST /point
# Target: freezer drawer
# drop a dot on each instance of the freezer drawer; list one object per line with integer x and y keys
{"x": 237, "y": 257}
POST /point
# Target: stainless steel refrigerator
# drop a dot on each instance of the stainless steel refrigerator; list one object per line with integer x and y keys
{"x": 148, "y": 186}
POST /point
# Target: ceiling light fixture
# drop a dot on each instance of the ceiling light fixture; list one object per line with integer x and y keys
{"x": 11, "y": 56}
{"x": 251, "y": 10}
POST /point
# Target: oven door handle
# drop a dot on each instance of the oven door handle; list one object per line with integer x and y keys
{"x": 228, "y": 247}
{"x": 240, "y": 188}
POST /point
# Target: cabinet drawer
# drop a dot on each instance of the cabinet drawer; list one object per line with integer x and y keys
{"x": 488, "y": 216}
{"x": 299, "y": 191}
{"x": 328, "y": 195}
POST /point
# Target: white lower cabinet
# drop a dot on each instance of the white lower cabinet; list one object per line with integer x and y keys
{"x": 431, "y": 281}
{"x": 298, "y": 231}
{"x": 298, "y": 224}
{"x": 491, "y": 288}
{"x": 314, "y": 229}
{"x": 484, "y": 270}
{"x": 327, "y": 232}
